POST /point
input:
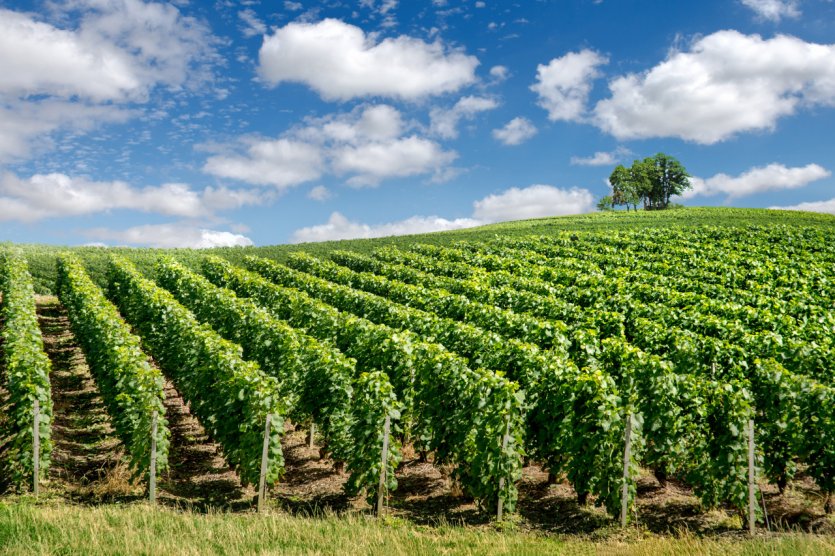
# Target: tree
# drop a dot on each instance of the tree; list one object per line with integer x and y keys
{"x": 606, "y": 203}
{"x": 651, "y": 181}
{"x": 668, "y": 178}
{"x": 629, "y": 185}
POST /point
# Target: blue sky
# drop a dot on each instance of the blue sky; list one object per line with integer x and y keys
{"x": 197, "y": 124}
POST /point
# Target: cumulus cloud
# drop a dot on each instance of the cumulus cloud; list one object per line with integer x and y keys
{"x": 341, "y": 62}
{"x": 600, "y": 158}
{"x": 444, "y": 122}
{"x": 535, "y": 201}
{"x": 499, "y": 73}
{"x": 756, "y": 180}
{"x": 55, "y": 78}
{"x": 340, "y": 227}
{"x": 281, "y": 163}
{"x": 169, "y": 236}
{"x": 727, "y": 83}
{"x": 370, "y": 163}
{"x": 811, "y": 206}
{"x": 516, "y": 131}
{"x": 366, "y": 146}
{"x": 515, "y": 203}
{"x": 58, "y": 195}
{"x": 37, "y": 58}
{"x": 319, "y": 193}
{"x": 773, "y": 10}
{"x": 563, "y": 85}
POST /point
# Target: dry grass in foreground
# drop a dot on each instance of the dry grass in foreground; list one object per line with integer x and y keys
{"x": 52, "y": 527}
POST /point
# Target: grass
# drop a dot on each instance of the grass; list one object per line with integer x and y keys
{"x": 29, "y": 527}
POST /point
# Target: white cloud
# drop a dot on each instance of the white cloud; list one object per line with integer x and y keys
{"x": 58, "y": 195}
{"x": 756, "y": 180}
{"x": 533, "y": 202}
{"x": 26, "y": 124}
{"x": 516, "y": 131}
{"x": 444, "y": 122}
{"x": 170, "y": 236}
{"x": 74, "y": 78}
{"x": 281, "y": 163}
{"x": 499, "y": 73}
{"x": 601, "y": 158}
{"x": 725, "y": 84}
{"x": 371, "y": 163}
{"x": 774, "y": 10}
{"x": 37, "y": 58}
{"x": 812, "y": 206}
{"x": 563, "y": 85}
{"x": 339, "y": 227}
{"x": 252, "y": 26}
{"x": 515, "y": 203}
{"x": 366, "y": 146}
{"x": 384, "y": 7}
{"x": 319, "y": 193}
{"x": 341, "y": 62}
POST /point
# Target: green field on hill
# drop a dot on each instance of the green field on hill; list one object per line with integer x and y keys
{"x": 564, "y": 369}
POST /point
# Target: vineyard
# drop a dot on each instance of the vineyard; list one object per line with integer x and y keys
{"x": 700, "y": 358}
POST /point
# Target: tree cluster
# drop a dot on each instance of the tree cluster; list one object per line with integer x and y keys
{"x": 650, "y": 182}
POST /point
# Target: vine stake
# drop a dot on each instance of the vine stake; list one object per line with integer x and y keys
{"x": 265, "y": 456}
{"x": 381, "y": 489}
{"x": 752, "y": 496}
{"x": 36, "y": 448}
{"x": 152, "y": 488}
{"x": 505, "y": 440}
{"x": 627, "y": 455}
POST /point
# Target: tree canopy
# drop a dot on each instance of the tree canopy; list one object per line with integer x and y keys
{"x": 651, "y": 181}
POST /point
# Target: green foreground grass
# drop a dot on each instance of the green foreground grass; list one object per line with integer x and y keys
{"x": 53, "y": 527}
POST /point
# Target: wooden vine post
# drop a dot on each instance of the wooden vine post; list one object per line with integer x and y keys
{"x": 752, "y": 496}
{"x": 381, "y": 488}
{"x": 312, "y": 434}
{"x": 152, "y": 480}
{"x": 505, "y": 440}
{"x": 627, "y": 456}
{"x": 36, "y": 448}
{"x": 265, "y": 456}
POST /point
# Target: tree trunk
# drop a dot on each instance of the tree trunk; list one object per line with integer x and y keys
{"x": 583, "y": 498}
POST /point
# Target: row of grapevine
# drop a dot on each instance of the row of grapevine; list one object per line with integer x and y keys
{"x": 521, "y": 361}
{"x": 131, "y": 388}
{"x": 25, "y": 375}
{"x": 808, "y": 349}
{"x": 459, "y": 413}
{"x": 547, "y": 443}
{"x": 315, "y": 378}
{"x": 544, "y": 333}
{"x": 777, "y": 410}
{"x": 230, "y": 396}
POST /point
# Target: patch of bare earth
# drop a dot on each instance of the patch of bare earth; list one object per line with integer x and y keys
{"x": 198, "y": 476}
{"x": 87, "y": 463}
